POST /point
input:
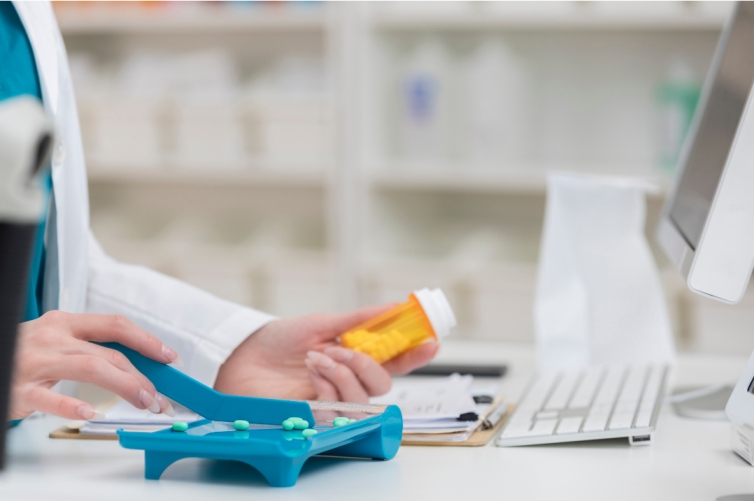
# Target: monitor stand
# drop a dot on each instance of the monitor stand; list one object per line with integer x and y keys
{"x": 706, "y": 402}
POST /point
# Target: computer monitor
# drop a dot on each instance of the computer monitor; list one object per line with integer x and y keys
{"x": 707, "y": 227}
{"x": 25, "y": 143}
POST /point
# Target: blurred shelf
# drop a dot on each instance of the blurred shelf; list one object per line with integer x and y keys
{"x": 578, "y": 17}
{"x": 168, "y": 21}
{"x": 197, "y": 177}
{"x": 512, "y": 181}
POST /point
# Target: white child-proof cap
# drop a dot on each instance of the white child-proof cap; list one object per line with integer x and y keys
{"x": 438, "y": 310}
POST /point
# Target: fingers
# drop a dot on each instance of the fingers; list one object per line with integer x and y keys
{"x": 338, "y": 375}
{"x": 375, "y": 379}
{"x": 412, "y": 359}
{"x": 341, "y": 322}
{"x": 46, "y": 400}
{"x": 324, "y": 389}
{"x": 96, "y": 370}
{"x": 120, "y": 361}
{"x": 118, "y": 329}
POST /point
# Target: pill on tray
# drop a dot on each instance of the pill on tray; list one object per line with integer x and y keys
{"x": 241, "y": 424}
{"x": 300, "y": 424}
{"x": 180, "y": 426}
{"x": 308, "y": 432}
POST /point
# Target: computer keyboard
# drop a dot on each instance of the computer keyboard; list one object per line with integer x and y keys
{"x": 590, "y": 404}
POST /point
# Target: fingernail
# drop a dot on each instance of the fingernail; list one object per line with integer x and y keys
{"x": 165, "y": 405}
{"x": 172, "y": 355}
{"x": 310, "y": 365}
{"x": 321, "y": 360}
{"x": 89, "y": 413}
{"x": 339, "y": 354}
{"x": 149, "y": 402}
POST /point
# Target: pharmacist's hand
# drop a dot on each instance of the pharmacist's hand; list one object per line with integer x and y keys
{"x": 56, "y": 347}
{"x": 298, "y": 358}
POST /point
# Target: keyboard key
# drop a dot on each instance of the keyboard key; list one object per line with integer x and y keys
{"x": 595, "y": 422}
{"x": 621, "y": 421}
{"x": 586, "y": 389}
{"x": 610, "y": 386}
{"x": 516, "y": 429}
{"x": 547, "y": 415}
{"x": 631, "y": 390}
{"x": 605, "y": 408}
{"x": 562, "y": 393}
{"x": 626, "y": 407}
{"x": 522, "y": 416}
{"x": 538, "y": 392}
{"x": 569, "y": 425}
{"x": 652, "y": 389}
{"x": 542, "y": 427}
{"x": 643, "y": 419}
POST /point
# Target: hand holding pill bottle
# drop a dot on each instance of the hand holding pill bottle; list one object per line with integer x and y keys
{"x": 426, "y": 315}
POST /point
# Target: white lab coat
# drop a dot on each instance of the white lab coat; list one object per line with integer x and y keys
{"x": 202, "y": 328}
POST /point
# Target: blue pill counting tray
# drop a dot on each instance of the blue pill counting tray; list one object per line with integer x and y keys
{"x": 276, "y": 453}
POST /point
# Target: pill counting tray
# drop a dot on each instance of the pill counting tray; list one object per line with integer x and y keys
{"x": 276, "y": 453}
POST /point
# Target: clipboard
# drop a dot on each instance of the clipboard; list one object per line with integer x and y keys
{"x": 480, "y": 437}
{"x": 495, "y": 418}
{"x": 71, "y": 430}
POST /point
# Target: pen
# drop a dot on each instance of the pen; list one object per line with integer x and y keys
{"x": 494, "y": 417}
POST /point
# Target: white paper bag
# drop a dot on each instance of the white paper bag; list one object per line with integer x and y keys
{"x": 599, "y": 299}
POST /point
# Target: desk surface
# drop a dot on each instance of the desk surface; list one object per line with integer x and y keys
{"x": 688, "y": 460}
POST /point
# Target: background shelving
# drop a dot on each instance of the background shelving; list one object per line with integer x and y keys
{"x": 358, "y": 221}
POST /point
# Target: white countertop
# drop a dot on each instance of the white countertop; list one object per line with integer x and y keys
{"x": 688, "y": 460}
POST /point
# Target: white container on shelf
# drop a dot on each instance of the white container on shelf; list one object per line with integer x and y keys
{"x": 493, "y": 105}
{"x": 424, "y": 97}
{"x": 289, "y": 132}
{"x": 207, "y": 134}
{"x": 123, "y": 132}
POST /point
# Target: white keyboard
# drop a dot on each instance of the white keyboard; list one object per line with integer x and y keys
{"x": 591, "y": 404}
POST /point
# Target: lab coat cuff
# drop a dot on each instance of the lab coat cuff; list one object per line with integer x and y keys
{"x": 212, "y": 352}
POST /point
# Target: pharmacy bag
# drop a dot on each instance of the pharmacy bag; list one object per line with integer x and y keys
{"x": 599, "y": 299}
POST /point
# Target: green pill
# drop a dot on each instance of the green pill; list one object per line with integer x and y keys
{"x": 308, "y": 433}
{"x": 340, "y": 421}
{"x": 351, "y": 421}
{"x": 300, "y": 424}
{"x": 180, "y": 426}
{"x": 287, "y": 425}
{"x": 241, "y": 424}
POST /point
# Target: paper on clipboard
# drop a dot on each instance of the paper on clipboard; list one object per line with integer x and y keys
{"x": 424, "y": 400}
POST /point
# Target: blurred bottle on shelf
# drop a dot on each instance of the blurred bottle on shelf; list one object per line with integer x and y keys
{"x": 424, "y": 102}
{"x": 493, "y": 105}
{"x": 677, "y": 96}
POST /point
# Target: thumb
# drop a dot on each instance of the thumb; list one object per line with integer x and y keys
{"x": 341, "y": 322}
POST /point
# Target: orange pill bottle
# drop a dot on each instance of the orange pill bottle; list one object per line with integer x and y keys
{"x": 426, "y": 315}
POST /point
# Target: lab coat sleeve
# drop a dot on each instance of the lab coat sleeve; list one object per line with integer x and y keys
{"x": 202, "y": 328}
